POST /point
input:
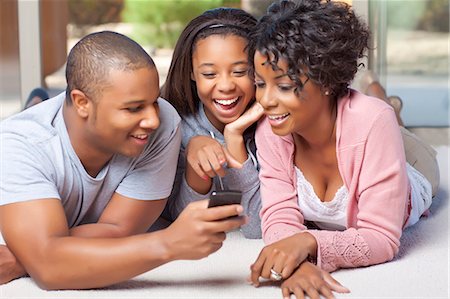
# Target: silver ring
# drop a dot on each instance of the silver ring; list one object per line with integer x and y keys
{"x": 275, "y": 275}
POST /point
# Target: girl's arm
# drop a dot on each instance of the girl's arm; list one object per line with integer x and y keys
{"x": 246, "y": 178}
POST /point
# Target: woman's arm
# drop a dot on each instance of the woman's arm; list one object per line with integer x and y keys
{"x": 379, "y": 204}
{"x": 280, "y": 213}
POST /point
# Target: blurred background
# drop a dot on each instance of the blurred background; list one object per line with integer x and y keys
{"x": 410, "y": 41}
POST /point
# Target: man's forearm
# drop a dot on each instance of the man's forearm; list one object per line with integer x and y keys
{"x": 98, "y": 230}
{"x": 11, "y": 268}
{"x": 82, "y": 263}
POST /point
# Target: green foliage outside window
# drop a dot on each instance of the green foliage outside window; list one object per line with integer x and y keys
{"x": 158, "y": 23}
{"x": 436, "y": 16}
{"x": 428, "y": 15}
{"x": 93, "y": 12}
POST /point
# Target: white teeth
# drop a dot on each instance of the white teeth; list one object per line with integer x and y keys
{"x": 226, "y": 102}
{"x": 278, "y": 117}
{"x": 140, "y": 136}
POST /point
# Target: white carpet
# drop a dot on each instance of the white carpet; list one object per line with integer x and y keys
{"x": 421, "y": 269}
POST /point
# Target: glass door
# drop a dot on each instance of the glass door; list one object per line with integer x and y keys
{"x": 411, "y": 56}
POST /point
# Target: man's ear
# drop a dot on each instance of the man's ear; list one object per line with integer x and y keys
{"x": 80, "y": 102}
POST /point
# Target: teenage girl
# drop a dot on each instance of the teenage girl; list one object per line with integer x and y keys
{"x": 209, "y": 85}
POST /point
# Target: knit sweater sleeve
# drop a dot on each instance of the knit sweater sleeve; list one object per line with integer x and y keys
{"x": 280, "y": 213}
{"x": 381, "y": 201}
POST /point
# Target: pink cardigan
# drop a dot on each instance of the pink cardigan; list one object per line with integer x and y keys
{"x": 372, "y": 165}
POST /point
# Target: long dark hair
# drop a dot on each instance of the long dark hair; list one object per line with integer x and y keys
{"x": 179, "y": 89}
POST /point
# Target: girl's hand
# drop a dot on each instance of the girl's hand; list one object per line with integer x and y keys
{"x": 233, "y": 132}
{"x": 312, "y": 281}
{"x": 206, "y": 156}
{"x": 249, "y": 117}
{"x": 283, "y": 257}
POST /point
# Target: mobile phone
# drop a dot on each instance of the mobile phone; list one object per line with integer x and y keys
{"x": 224, "y": 197}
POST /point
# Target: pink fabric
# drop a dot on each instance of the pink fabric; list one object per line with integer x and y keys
{"x": 372, "y": 164}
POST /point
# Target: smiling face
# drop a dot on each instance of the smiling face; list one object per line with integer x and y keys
{"x": 287, "y": 111}
{"x": 220, "y": 71}
{"x": 125, "y": 113}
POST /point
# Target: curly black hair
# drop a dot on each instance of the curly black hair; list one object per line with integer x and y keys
{"x": 321, "y": 40}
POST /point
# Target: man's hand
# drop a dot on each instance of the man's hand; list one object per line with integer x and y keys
{"x": 10, "y": 268}
{"x": 200, "y": 231}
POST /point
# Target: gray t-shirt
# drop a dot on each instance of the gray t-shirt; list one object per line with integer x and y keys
{"x": 38, "y": 161}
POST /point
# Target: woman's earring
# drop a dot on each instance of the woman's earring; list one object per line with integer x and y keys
{"x": 327, "y": 93}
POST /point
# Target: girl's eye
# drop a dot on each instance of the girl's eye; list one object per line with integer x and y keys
{"x": 240, "y": 73}
{"x": 208, "y": 75}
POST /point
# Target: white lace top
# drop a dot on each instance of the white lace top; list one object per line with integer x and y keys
{"x": 330, "y": 215}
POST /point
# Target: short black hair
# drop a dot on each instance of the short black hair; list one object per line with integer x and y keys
{"x": 320, "y": 39}
{"x": 95, "y": 55}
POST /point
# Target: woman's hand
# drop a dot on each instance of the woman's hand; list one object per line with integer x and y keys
{"x": 283, "y": 257}
{"x": 312, "y": 281}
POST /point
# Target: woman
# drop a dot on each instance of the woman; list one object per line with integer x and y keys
{"x": 336, "y": 188}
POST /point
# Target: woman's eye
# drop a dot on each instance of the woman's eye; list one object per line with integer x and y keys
{"x": 259, "y": 84}
{"x": 285, "y": 87}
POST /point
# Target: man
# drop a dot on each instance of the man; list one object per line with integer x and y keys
{"x": 85, "y": 174}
